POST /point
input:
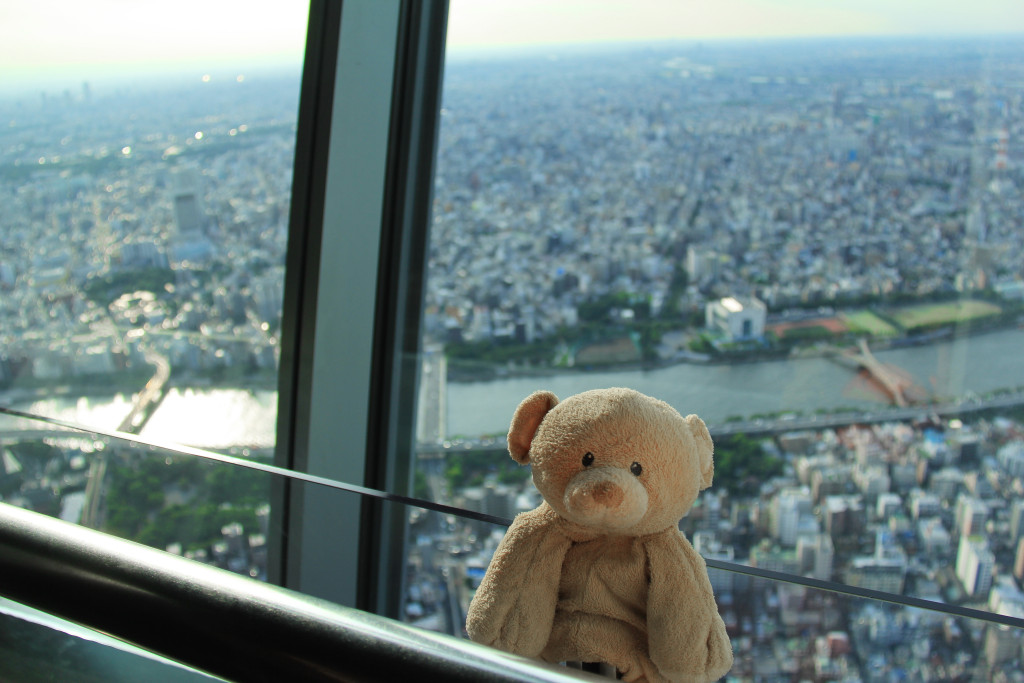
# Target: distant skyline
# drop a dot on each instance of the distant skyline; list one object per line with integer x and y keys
{"x": 60, "y": 43}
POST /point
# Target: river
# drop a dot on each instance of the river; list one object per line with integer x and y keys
{"x": 978, "y": 364}
{"x": 220, "y": 418}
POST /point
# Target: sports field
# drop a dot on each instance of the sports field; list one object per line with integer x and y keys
{"x": 926, "y": 315}
{"x": 868, "y": 322}
{"x": 821, "y": 327}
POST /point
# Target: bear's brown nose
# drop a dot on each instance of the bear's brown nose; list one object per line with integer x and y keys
{"x": 605, "y": 498}
{"x": 607, "y": 494}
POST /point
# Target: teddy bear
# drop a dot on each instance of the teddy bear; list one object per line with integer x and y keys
{"x": 599, "y": 571}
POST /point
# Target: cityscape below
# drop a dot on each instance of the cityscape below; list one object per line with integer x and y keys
{"x": 815, "y": 245}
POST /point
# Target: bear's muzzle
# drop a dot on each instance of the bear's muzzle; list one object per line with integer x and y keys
{"x": 607, "y": 497}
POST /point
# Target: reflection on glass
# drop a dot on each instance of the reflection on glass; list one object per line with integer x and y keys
{"x": 779, "y": 631}
{"x": 814, "y": 243}
{"x": 210, "y": 511}
{"x": 782, "y": 631}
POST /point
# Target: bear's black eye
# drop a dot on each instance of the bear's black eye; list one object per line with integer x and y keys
{"x": 588, "y": 459}
{"x": 636, "y": 469}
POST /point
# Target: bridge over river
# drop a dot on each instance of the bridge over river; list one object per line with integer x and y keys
{"x": 146, "y": 401}
{"x": 898, "y": 385}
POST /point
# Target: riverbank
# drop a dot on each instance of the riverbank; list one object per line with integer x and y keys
{"x": 461, "y": 371}
{"x": 958, "y": 366}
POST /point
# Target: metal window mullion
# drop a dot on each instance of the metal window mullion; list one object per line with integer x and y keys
{"x": 302, "y": 269}
{"x": 332, "y": 353}
{"x": 391, "y": 455}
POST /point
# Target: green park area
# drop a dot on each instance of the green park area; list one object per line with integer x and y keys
{"x": 868, "y": 322}
{"x": 923, "y": 317}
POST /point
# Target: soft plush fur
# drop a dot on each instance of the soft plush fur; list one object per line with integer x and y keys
{"x": 600, "y": 571}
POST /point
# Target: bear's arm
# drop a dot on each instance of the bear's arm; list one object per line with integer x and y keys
{"x": 514, "y": 608}
{"x": 686, "y": 635}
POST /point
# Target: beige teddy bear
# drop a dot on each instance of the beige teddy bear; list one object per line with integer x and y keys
{"x": 600, "y": 572}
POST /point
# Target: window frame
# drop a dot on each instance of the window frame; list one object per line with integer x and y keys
{"x": 371, "y": 91}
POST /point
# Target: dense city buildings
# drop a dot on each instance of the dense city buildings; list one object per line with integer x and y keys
{"x": 806, "y": 173}
{"x": 160, "y": 231}
{"x": 724, "y": 205}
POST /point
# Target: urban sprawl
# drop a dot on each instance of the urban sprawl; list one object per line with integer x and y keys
{"x": 730, "y": 193}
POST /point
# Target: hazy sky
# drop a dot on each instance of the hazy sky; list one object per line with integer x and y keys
{"x": 41, "y": 39}
{"x": 51, "y": 40}
{"x": 479, "y": 23}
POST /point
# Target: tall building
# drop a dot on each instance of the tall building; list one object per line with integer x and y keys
{"x": 817, "y": 555}
{"x": 1011, "y": 458}
{"x": 974, "y": 563}
{"x": 1016, "y": 522}
{"x": 971, "y": 515}
{"x": 791, "y": 510}
{"x": 1002, "y": 643}
{"x": 844, "y": 515}
{"x": 190, "y": 242}
{"x": 703, "y": 265}
{"x": 189, "y": 218}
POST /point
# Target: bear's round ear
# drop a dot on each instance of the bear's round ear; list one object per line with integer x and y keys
{"x": 705, "y": 449}
{"x": 525, "y": 423}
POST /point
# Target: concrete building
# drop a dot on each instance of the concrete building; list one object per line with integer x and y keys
{"x": 792, "y": 511}
{"x": 844, "y": 515}
{"x": 739, "y": 318}
{"x": 1016, "y": 522}
{"x": 934, "y": 537}
{"x": 924, "y": 505}
{"x": 888, "y": 504}
{"x": 1011, "y": 459}
{"x": 974, "y": 563}
{"x": 971, "y": 515}
{"x": 872, "y": 481}
{"x": 767, "y": 555}
{"x": 883, "y": 570}
{"x": 877, "y": 573}
{"x": 817, "y": 555}
{"x": 189, "y": 217}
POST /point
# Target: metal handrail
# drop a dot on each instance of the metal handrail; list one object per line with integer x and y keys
{"x": 225, "y": 624}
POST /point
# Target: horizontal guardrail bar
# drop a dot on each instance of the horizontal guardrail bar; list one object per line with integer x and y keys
{"x": 225, "y": 624}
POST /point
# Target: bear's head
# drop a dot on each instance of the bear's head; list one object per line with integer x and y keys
{"x": 614, "y": 461}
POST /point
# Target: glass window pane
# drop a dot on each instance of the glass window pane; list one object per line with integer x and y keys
{"x": 211, "y": 510}
{"x": 147, "y": 188}
{"x": 778, "y": 630}
{"x": 146, "y": 158}
{"x": 805, "y": 230}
